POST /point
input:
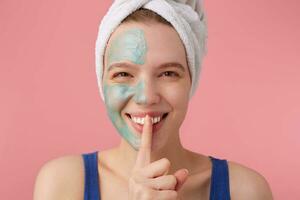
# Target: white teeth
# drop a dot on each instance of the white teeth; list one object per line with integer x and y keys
{"x": 141, "y": 121}
{"x": 156, "y": 119}
{"x": 135, "y": 119}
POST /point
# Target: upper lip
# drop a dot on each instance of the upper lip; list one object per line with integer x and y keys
{"x": 143, "y": 114}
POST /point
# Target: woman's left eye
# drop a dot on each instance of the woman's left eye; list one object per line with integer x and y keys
{"x": 170, "y": 73}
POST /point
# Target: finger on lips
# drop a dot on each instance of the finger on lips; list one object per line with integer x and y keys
{"x": 156, "y": 172}
{"x": 144, "y": 153}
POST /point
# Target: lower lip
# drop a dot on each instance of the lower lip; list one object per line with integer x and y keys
{"x": 139, "y": 127}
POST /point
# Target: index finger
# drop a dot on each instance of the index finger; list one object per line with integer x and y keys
{"x": 144, "y": 153}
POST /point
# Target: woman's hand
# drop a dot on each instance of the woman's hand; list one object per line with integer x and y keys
{"x": 150, "y": 180}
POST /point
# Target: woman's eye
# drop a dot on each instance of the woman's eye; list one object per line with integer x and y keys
{"x": 121, "y": 74}
{"x": 170, "y": 73}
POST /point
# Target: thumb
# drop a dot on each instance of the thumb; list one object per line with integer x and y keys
{"x": 181, "y": 176}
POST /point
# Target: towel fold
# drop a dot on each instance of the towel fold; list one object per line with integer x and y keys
{"x": 186, "y": 16}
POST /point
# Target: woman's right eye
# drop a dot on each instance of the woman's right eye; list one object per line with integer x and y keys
{"x": 121, "y": 74}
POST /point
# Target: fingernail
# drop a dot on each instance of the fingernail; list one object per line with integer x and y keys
{"x": 186, "y": 171}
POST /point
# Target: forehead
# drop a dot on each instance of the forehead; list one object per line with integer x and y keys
{"x": 163, "y": 43}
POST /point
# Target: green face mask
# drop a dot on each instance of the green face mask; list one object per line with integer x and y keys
{"x": 130, "y": 45}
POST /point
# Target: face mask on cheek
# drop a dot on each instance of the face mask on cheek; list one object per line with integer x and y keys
{"x": 129, "y": 45}
{"x": 116, "y": 98}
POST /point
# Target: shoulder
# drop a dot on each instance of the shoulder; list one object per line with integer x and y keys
{"x": 60, "y": 178}
{"x": 247, "y": 184}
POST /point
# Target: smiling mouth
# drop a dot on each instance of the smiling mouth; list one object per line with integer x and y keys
{"x": 137, "y": 121}
{"x": 141, "y": 120}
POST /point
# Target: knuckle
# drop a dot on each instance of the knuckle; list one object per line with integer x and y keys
{"x": 138, "y": 190}
{"x": 166, "y": 162}
{"x": 136, "y": 174}
{"x": 135, "y": 179}
{"x": 173, "y": 194}
{"x": 157, "y": 185}
{"x": 173, "y": 179}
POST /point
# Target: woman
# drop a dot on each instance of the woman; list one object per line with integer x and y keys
{"x": 146, "y": 82}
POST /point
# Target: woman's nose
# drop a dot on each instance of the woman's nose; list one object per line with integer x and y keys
{"x": 146, "y": 93}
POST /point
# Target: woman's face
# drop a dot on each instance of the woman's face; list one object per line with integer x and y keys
{"x": 146, "y": 73}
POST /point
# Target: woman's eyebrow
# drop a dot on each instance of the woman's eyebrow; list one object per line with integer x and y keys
{"x": 119, "y": 64}
{"x": 172, "y": 64}
{"x": 161, "y": 66}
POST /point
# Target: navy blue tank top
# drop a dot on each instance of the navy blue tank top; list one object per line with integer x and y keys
{"x": 219, "y": 188}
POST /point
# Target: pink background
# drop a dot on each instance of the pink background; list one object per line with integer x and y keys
{"x": 246, "y": 108}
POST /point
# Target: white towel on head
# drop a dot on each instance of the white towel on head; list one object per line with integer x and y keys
{"x": 186, "y": 16}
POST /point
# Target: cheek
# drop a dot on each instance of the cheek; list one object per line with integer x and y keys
{"x": 116, "y": 96}
{"x": 177, "y": 95}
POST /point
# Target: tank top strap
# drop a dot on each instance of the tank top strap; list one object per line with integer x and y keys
{"x": 91, "y": 183}
{"x": 219, "y": 189}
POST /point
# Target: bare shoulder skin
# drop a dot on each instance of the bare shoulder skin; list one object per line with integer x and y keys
{"x": 60, "y": 179}
{"x": 247, "y": 184}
